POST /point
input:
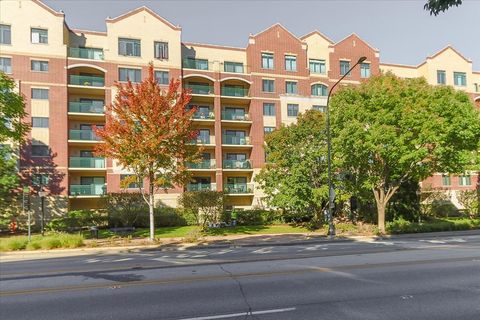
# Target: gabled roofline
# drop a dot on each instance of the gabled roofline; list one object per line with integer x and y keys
{"x": 99, "y": 33}
{"x": 278, "y": 24}
{"x": 397, "y": 65}
{"x": 454, "y": 50}
{"x": 139, "y": 9}
{"x": 319, "y": 33}
{"x": 52, "y": 11}
{"x": 214, "y": 46}
{"x": 356, "y": 35}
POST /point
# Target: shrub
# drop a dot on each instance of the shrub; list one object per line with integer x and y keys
{"x": 125, "y": 208}
{"x": 50, "y": 241}
{"x": 470, "y": 200}
{"x": 205, "y": 206}
{"x": 435, "y": 225}
{"x": 75, "y": 220}
{"x": 257, "y": 217}
{"x": 169, "y": 217}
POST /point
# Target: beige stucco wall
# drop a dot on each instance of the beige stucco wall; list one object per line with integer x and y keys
{"x": 401, "y": 71}
{"x": 87, "y": 39}
{"x": 318, "y": 49}
{"x": 24, "y": 15}
{"x": 216, "y": 56}
{"x": 304, "y": 104}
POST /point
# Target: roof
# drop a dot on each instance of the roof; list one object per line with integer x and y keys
{"x": 397, "y": 65}
{"x": 316, "y": 32}
{"x": 356, "y": 35}
{"x": 140, "y": 9}
{"x": 44, "y": 6}
{"x": 100, "y": 33}
{"x": 279, "y": 25}
{"x": 445, "y": 49}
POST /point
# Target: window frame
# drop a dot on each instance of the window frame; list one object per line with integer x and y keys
{"x": 294, "y": 85}
{"x": 463, "y": 78}
{"x": 342, "y": 64}
{"x": 465, "y": 180}
{"x": 132, "y": 185}
{"x": 292, "y": 110}
{"x": 163, "y": 72}
{"x": 321, "y": 66}
{"x": 40, "y": 122}
{"x": 136, "y": 45}
{"x": 269, "y": 57}
{"x": 163, "y": 50}
{"x": 2, "y": 65}
{"x": 41, "y": 63}
{"x": 40, "y": 90}
{"x": 443, "y": 74}
{"x": 362, "y": 69}
{"x": 44, "y": 147}
{"x": 40, "y": 35}
{"x": 5, "y": 28}
{"x": 314, "y": 92}
{"x": 446, "y": 180}
{"x": 290, "y": 63}
{"x": 268, "y": 130}
{"x": 235, "y": 65}
{"x": 264, "y": 81}
{"x": 271, "y": 107}
{"x": 319, "y": 108}
{"x": 127, "y": 77}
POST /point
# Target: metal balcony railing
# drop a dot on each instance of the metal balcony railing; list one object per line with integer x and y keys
{"x": 199, "y": 88}
{"x": 84, "y": 135}
{"x": 236, "y": 164}
{"x": 234, "y": 91}
{"x": 234, "y": 140}
{"x": 199, "y": 186}
{"x": 85, "y": 107}
{"x": 238, "y": 188}
{"x": 205, "y": 164}
{"x": 87, "y": 81}
{"x": 86, "y": 53}
{"x": 231, "y": 115}
{"x": 87, "y": 189}
{"x": 87, "y": 162}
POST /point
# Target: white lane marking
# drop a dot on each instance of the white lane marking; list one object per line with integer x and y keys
{"x": 233, "y": 315}
{"x": 434, "y": 241}
{"x": 263, "y": 250}
{"x": 124, "y": 259}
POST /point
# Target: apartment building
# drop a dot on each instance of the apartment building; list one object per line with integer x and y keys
{"x": 67, "y": 76}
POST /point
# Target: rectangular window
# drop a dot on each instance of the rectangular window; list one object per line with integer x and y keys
{"x": 268, "y": 109}
{"x": 267, "y": 60}
{"x": 39, "y": 151}
{"x": 460, "y": 79}
{"x": 129, "y": 47}
{"x": 292, "y": 110}
{"x": 236, "y": 67}
{"x": 160, "y": 50}
{"x": 162, "y": 77}
{"x": 125, "y": 74}
{"x": 267, "y": 130}
{"x": 344, "y": 67}
{"x": 268, "y": 85}
{"x": 319, "y": 108}
{"x": 441, "y": 77}
{"x": 290, "y": 63}
{"x": 39, "y": 122}
{"x": 37, "y": 65}
{"x": 6, "y": 65}
{"x": 131, "y": 185}
{"x": 5, "y": 34}
{"x": 41, "y": 94}
{"x": 40, "y": 179}
{"x": 291, "y": 87}
{"x": 39, "y": 35}
{"x": 203, "y": 136}
{"x": 446, "y": 180}
{"x": 317, "y": 66}
{"x": 365, "y": 70}
{"x": 465, "y": 180}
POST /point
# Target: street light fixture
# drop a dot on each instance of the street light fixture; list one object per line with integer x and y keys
{"x": 331, "y": 191}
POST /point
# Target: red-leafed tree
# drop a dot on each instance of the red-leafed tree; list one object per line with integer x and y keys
{"x": 148, "y": 131}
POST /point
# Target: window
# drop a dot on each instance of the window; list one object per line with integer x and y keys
{"x": 38, "y": 65}
{"x": 137, "y": 184}
{"x": 446, "y": 180}
{"x": 162, "y": 77}
{"x": 291, "y": 87}
{"x": 319, "y": 108}
{"x": 460, "y": 79}
{"x": 292, "y": 110}
{"x": 319, "y": 90}
{"x": 39, "y": 122}
{"x": 465, "y": 180}
{"x": 39, "y": 35}
{"x": 192, "y": 63}
{"x": 344, "y": 67}
{"x": 128, "y": 47}
{"x": 125, "y": 74}
{"x": 441, "y": 77}
{"x": 268, "y": 85}
{"x": 203, "y": 136}
{"x": 40, "y": 151}
{"x": 236, "y": 67}
{"x": 291, "y": 63}
{"x": 317, "y": 66}
{"x": 365, "y": 70}
{"x": 160, "y": 50}
{"x": 5, "y": 34}
{"x": 267, "y": 130}
{"x": 6, "y": 65}
{"x": 268, "y": 109}
{"x": 41, "y": 94}
{"x": 40, "y": 179}
{"x": 267, "y": 60}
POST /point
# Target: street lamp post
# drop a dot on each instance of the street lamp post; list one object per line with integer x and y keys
{"x": 42, "y": 194}
{"x": 331, "y": 191}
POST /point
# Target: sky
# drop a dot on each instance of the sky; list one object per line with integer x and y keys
{"x": 401, "y": 29}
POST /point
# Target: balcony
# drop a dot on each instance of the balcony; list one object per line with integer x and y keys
{"x": 233, "y": 116}
{"x": 87, "y": 163}
{"x": 236, "y": 141}
{"x": 237, "y": 164}
{"x": 238, "y": 188}
{"x": 199, "y": 187}
{"x": 200, "y": 115}
{"x": 86, "y": 107}
{"x": 83, "y": 135}
{"x": 86, "y": 53}
{"x": 198, "y": 64}
{"x": 201, "y": 140}
{"x": 204, "y": 89}
{"x": 86, "y": 81}
{"x": 88, "y": 189}
{"x": 234, "y": 91}
{"x": 204, "y": 165}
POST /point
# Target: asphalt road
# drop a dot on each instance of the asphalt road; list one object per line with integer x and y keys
{"x": 423, "y": 278}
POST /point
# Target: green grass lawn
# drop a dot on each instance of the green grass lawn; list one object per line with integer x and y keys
{"x": 49, "y": 241}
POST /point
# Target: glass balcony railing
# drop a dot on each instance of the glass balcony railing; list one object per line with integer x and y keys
{"x": 231, "y": 115}
{"x": 199, "y": 186}
{"x": 201, "y": 140}
{"x": 199, "y": 64}
{"x": 234, "y": 140}
{"x": 204, "y": 115}
{"x": 88, "y": 81}
{"x": 236, "y": 164}
{"x": 234, "y": 91}
{"x": 86, "y": 53}
{"x": 85, "y": 107}
{"x": 236, "y": 188}
{"x": 199, "y": 88}
{"x": 205, "y": 164}
{"x": 87, "y": 162}
{"x": 87, "y": 189}
{"x": 84, "y": 135}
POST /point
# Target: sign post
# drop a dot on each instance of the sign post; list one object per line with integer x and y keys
{"x": 25, "y": 206}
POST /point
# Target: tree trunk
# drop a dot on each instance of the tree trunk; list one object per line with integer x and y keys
{"x": 151, "y": 206}
{"x": 381, "y": 217}
{"x": 382, "y": 198}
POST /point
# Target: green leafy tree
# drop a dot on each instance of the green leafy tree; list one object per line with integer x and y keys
{"x": 437, "y": 6}
{"x": 295, "y": 175}
{"x": 206, "y": 206}
{"x": 389, "y": 130}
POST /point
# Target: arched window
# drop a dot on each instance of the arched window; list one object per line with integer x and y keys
{"x": 319, "y": 90}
